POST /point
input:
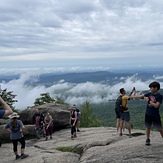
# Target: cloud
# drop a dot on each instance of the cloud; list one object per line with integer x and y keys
{"x": 27, "y": 91}
{"x": 46, "y": 30}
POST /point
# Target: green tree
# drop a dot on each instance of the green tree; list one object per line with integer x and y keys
{"x": 45, "y": 98}
{"x": 60, "y": 101}
{"x": 88, "y": 118}
{"x": 8, "y": 97}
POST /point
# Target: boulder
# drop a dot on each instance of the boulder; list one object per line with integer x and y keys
{"x": 59, "y": 112}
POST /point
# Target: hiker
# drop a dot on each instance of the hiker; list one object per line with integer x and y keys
{"x": 5, "y": 112}
{"x": 78, "y": 118}
{"x": 72, "y": 121}
{"x": 152, "y": 115}
{"x": 38, "y": 121}
{"x": 15, "y": 127}
{"x": 124, "y": 113}
{"x": 118, "y": 118}
{"x": 48, "y": 121}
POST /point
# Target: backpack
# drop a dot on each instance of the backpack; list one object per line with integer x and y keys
{"x": 118, "y": 105}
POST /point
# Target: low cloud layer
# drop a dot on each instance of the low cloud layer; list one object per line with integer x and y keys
{"x": 70, "y": 92}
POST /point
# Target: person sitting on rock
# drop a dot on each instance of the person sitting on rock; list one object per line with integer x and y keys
{"x": 15, "y": 127}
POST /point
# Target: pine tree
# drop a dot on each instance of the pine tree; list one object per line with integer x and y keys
{"x": 88, "y": 118}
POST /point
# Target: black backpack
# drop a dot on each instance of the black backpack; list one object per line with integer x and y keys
{"x": 118, "y": 105}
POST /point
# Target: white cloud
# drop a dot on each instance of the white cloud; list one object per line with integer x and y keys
{"x": 50, "y": 29}
{"x": 70, "y": 92}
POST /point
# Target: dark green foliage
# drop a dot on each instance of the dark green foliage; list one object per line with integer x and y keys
{"x": 60, "y": 101}
{"x": 45, "y": 98}
{"x": 8, "y": 97}
{"x": 88, "y": 118}
{"x": 70, "y": 149}
{"x": 106, "y": 113}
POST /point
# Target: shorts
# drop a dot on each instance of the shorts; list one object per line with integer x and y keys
{"x": 2, "y": 112}
{"x": 153, "y": 120}
{"x": 118, "y": 114}
{"x": 125, "y": 116}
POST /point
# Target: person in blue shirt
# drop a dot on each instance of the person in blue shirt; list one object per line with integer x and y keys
{"x": 15, "y": 127}
{"x": 6, "y": 108}
{"x": 152, "y": 115}
{"x": 5, "y": 111}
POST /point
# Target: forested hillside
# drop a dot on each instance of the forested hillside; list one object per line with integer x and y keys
{"x": 105, "y": 112}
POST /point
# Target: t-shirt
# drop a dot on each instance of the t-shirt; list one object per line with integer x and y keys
{"x": 78, "y": 114}
{"x": 38, "y": 121}
{"x": 15, "y": 132}
{"x": 150, "y": 110}
{"x": 2, "y": 112}
{"x": 124, "y": 101}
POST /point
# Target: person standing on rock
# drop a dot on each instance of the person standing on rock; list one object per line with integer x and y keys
{"x": 78, "y": 118}
{"x": 6, "y": 110}
{"x": 15, "y": 127}
{"x": 72, "y": 121}
{"x": 48, "y": 121}
{"x": 152, "y": 115}
{"x": 125, "y": 115}
{"x": 38, "y": 121}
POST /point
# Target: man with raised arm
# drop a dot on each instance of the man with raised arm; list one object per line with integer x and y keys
{"x": 6, "y": 108}
{"x": 5, "y": 111}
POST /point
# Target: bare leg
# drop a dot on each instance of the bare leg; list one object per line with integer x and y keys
{"x": 121, "y": 125}
{"x": 118, "y": 124}
{"x": 161, "y": 132}
{"x": 128, "y": 127}
{"x": 147, "y": 132}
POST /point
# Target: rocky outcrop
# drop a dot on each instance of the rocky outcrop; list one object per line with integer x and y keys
{"x": 59, "y": 112}
{"x": 92, "y": 145}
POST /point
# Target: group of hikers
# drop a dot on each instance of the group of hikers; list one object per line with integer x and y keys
{"x": 16, "y": 127}
{"x": 152, "y": 115}
{"x": 45, "y": 124}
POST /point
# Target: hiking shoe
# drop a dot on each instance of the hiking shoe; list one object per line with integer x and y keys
{"x": 24, "y": 156}
{"x": 120, "y": 134}
{"x": 78, "y": 130}
{"x": 72, "y": 137}
{"x": 46, "y": 138}
{"x": 51, "y": 137}
{"x": 147, "y": 142}
{"x": 130, "y": 136}
{"x": 17, "y": 157}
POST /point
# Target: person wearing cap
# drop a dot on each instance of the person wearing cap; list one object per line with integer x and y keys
{"x": 73, "y": 120}
{"x": 15, "y": 127}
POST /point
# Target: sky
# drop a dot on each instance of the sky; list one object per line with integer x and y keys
{"x": 55, "y": 35}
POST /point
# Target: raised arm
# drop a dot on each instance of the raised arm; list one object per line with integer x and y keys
{"x": 6, "y": 107}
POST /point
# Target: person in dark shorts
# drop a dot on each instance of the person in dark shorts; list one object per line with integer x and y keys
{"x": 152, "y": 115}
{"x": 118, "y": 118}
